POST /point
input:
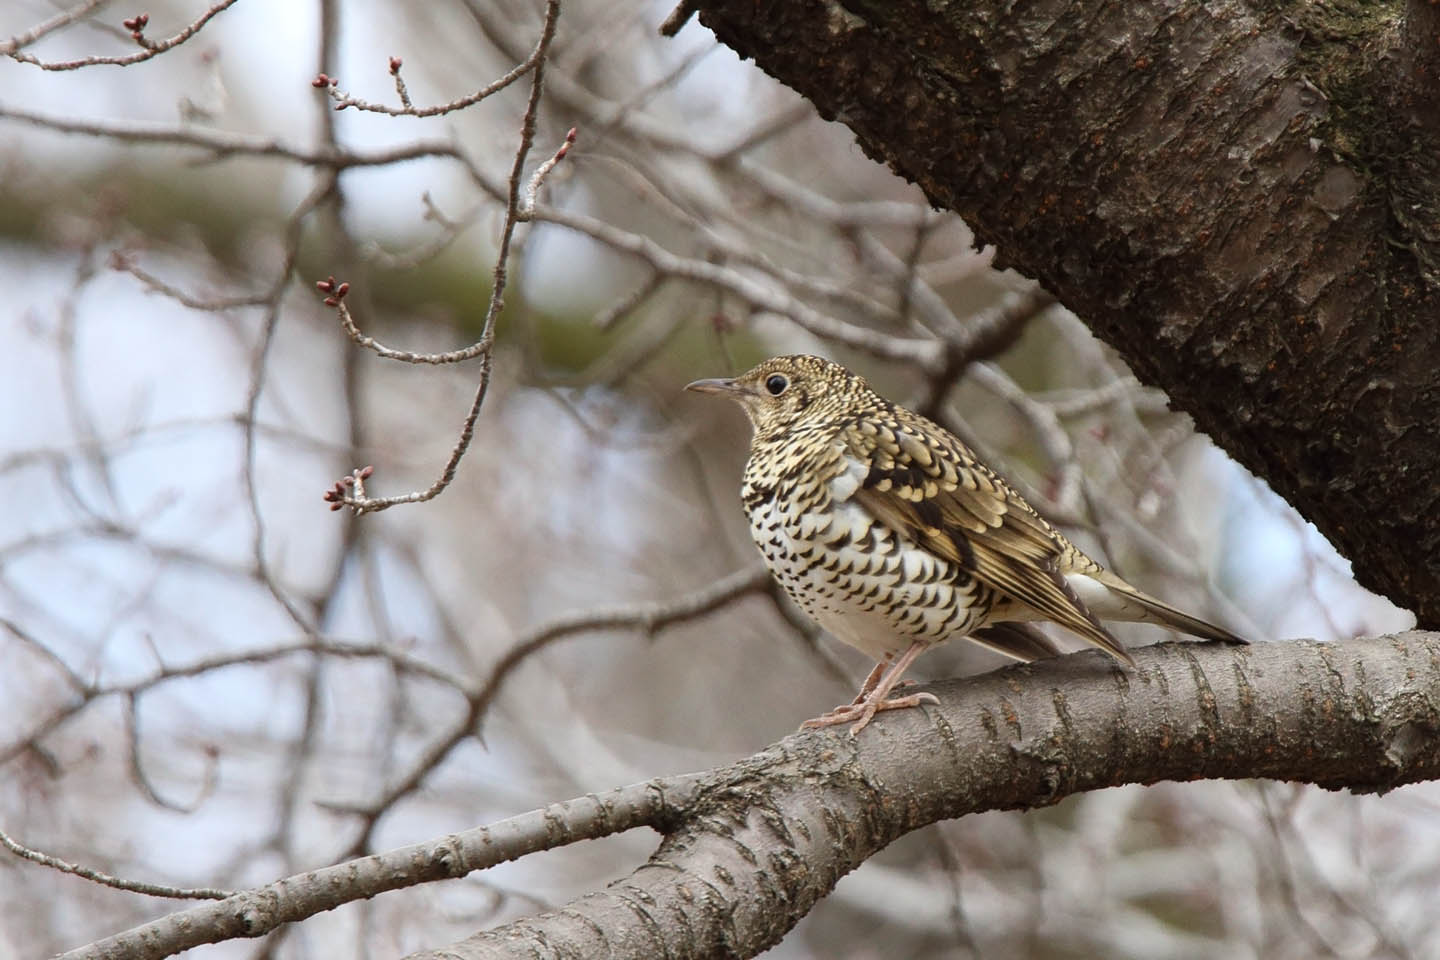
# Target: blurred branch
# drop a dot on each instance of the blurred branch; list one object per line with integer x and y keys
{"x": 226, "y": 144}
{"x": 85, "y": 693}
{"x": 136, "y": 25}
{"x": 450, "y": 231}
{"x": 927, "y": 354}
{"x": 119, "y": 260}
{"x": 257, "y": 912}
{"x": 649, "y": 618}
{"x": 750, "y": 848}
{"x": 980, "y": 337}
{"x": 58, "y": 22}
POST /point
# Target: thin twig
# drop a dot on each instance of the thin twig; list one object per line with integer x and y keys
{"x": 150, "y": 48}
{"x": 343, "y": 101}
{"x": 62, "y": 19}
{"x": 225, "y": 144}
{"x": 648, "y": 618}
{"x": 254, "y": 913}
{"x": 484, "y": 346}
{"x": 109, "y": 880}
{"x": 347, "y": 323}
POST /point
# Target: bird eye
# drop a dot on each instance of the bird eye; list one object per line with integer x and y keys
{"x": 776, "y": 384}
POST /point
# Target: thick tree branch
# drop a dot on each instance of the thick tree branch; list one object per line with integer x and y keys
{"x": 769, "y": 836}
{"x": 1243, "y": 198}
{"x": 750, "y": 848}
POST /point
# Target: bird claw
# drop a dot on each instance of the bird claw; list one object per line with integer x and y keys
{"x": 872, "y": 682}
{"x": 863, "y": 713}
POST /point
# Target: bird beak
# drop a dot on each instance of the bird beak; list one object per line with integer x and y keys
{"x": 724, "y": 386}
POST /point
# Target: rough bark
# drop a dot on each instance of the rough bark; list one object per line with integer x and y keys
{"x": 763, "y": 840}
{"x": 1242, "y": 197}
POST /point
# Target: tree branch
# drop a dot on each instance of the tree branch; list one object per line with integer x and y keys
{"x": 257, "y": 912}
{"x": 751, "y": 847}
{"x": 771, "y": 835}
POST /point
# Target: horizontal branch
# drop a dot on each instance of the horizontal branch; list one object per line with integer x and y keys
{"x": 226, "y": 144}
{"x": 926, "y": 353}
{"x": 257, "y": 912}
{"x": 771, "y": 835}
{"x": 751, "y": 847}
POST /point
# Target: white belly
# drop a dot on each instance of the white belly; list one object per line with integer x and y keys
{"x": 867, "y": 585}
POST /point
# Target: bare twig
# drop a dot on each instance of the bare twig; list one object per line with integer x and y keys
{"x": 648, "y": 618}
{"x": 514, "y": 215}
{"x": 344, "y": 101}
{"x": 624, "y": 306}
{"x": 926, "y": 354}
{"x": 347, "y": 322}
{"x": 450, "y": 231}
{"x": 105, "y": 879}
{"x": 254, "y": 913}
{"x": 62, "y": 19}
{"x": 122, "y": 262}
{"x": 87, "y": 693}
{"x": 222, "y": 144}
{"x": 537, "y": 180}
{"x": 150, "y": 48}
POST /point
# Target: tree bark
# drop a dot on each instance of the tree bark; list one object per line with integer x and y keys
{"x": 766, "y": 838}
{"x": 1242, "y": 197}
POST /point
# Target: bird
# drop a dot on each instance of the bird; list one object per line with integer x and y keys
{"x": 891, "y": 534}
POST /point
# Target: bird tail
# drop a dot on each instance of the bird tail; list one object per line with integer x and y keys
{"x": 1156, "y": 611}
{"x": 1017, "y": 641}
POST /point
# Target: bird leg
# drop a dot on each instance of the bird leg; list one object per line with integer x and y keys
{"x": 876, "y": 672}
{"x": 873, "y": 694}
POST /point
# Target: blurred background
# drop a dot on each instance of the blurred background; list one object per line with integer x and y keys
{"x": 213, "y": 680}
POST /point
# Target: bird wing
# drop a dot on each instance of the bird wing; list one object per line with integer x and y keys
{"x": 922, "y": 481}
{"x": 1020, "y": 641}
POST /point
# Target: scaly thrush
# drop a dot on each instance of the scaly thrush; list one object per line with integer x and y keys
{"x": 892, "y": 535}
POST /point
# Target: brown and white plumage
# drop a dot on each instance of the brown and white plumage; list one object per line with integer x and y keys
{"x": 889, "y": 533}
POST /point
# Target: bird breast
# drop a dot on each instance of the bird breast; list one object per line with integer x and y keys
{"x": 869, "y": 585}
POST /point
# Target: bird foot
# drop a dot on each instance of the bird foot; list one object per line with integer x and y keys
{"x": 865, "y": 692}
{"x": 862, "y": 713}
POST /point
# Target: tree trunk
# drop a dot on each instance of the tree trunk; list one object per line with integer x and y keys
{"x": 1242, "y": 198}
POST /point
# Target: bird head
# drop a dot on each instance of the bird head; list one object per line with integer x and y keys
{"x": 786, "y": 393}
